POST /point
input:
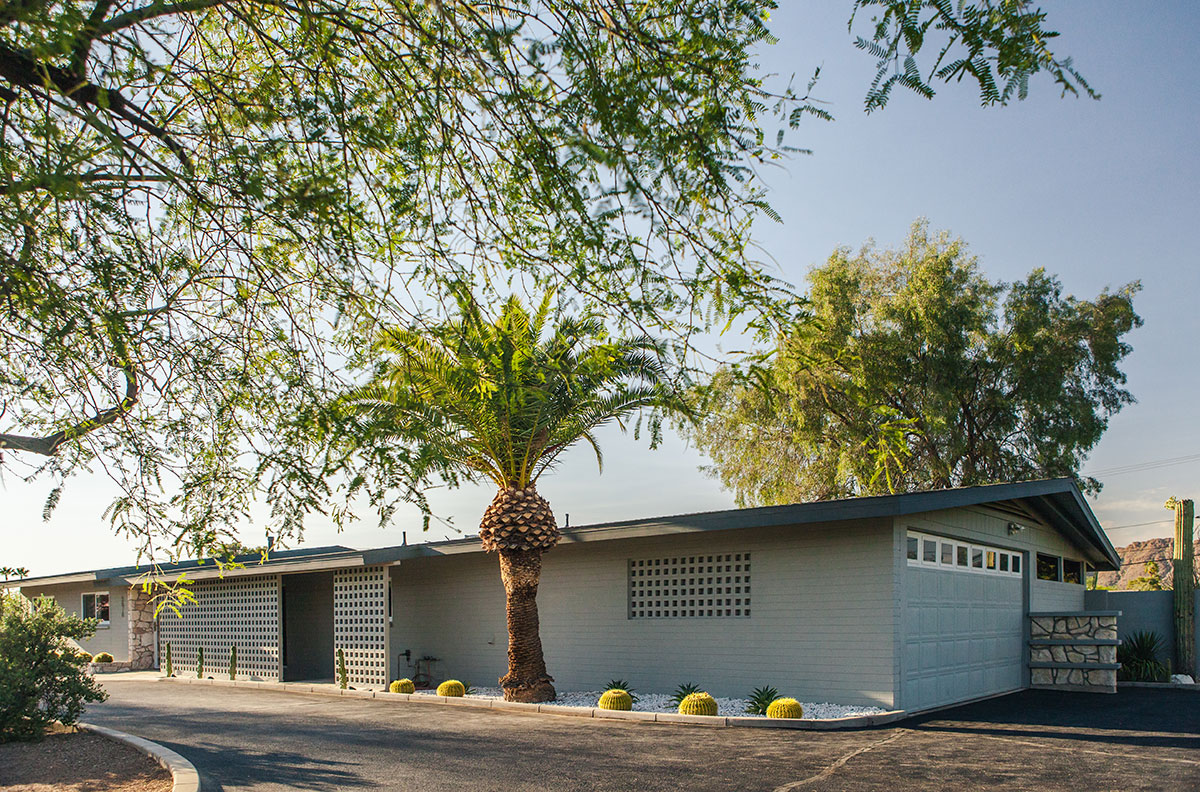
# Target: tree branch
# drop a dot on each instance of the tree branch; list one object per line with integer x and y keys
{"x": 49, "y": 445}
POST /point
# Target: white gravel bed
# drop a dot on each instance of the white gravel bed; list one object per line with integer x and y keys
{"x": 661, "y": 702}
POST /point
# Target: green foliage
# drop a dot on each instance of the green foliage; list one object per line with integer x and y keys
{"x": 502, "y": 397}
{"x": 200, "y": 662}
{"x": 760, "y": 699}
{"x": 102, "y": 657}
{"x": 170, "y": 665}
{"x": 402, "y": 686}
{"x": 43, "y": 677}
{"x": 621, "y": 684}
{"x": 1138, "y": 656}
{"x": 209, "y": 208}
{"x": 999, "y": 44}
{"x": 784, "y": 708}
{"x": 233, "y": 662}
{"x": 452, "y": 688}
{"x": 915, "y": 372}
{"x": 616, "y": 699}
{"x": 86, "y": 656}
{"x": 682, "y": 692}
{"x": 343, "y": 675}
{"x": 1150, "y": 580}
{"x": 698, "y": 704}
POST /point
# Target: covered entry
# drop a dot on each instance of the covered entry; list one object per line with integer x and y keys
{"x": 963, "y": 622}
{"x": 308, "y": 651}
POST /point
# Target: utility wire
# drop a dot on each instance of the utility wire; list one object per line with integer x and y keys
{"x": 1153, "y": 464}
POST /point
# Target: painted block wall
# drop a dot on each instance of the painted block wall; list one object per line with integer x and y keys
{"x": 821, "y": 627}
{"x": 113, "y": 639}
{"x": 1145, "y": 610}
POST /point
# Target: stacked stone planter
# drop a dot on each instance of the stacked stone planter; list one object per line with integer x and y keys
{"x": 1074, "y": 651}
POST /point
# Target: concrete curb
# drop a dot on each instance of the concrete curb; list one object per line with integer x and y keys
{"x": 800, "y": 724}
{"x": 1194, "y": 687}
{"x": 183, "y": 773}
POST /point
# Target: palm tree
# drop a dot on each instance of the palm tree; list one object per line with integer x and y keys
{"x": 502, "y": 398}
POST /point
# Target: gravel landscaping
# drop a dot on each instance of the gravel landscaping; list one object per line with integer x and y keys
{"x": 70, "y": 761}
{"x": 661, "y": 702}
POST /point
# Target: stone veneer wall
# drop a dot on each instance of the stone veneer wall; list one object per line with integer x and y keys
{"x": 1074, "y": 651}
{"x": 143, "y": 628}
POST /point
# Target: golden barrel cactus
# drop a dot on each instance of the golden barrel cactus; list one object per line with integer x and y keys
{"x": 402, "y": 686}
{"x": 452, "y": 687}
{"x": 518, "y": 519}
{"x": 616, "y": 699}
{"x": 698, "y": 704}
{"x": 785, "y": 708}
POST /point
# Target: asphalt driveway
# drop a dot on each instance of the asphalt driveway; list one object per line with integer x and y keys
{"x": 242, "y": 738}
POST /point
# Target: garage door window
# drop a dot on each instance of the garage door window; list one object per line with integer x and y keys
{"x": 933, "y": 551}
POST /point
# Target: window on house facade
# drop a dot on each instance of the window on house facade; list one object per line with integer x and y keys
{"x": 690, "y": 587}
{"x": 1072, "y": 571}
{"x": 1049, "y": 567}
{"x": 941, "y": 553}
{"x": 95, "y": 606}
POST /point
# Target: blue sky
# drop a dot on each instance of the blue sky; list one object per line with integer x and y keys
{"x": 1100, "y": 193}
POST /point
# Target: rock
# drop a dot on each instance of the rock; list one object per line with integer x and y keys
{"x": 1182, "y": 679}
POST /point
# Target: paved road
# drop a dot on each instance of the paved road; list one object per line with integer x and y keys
{"x": 241, "y": 738}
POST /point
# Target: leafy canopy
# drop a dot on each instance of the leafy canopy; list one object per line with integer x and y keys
{"x": 502, "y": 397}
{"x": 917, "y": 372}
{"x": 209, "y": 206}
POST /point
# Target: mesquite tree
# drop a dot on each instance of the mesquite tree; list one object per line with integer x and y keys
{"x": 207, "y": 206}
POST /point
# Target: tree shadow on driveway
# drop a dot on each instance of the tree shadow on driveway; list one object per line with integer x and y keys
{"x": 253, "y": 768}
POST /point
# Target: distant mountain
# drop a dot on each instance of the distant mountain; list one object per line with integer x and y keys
{"x": 1133, "y": 562}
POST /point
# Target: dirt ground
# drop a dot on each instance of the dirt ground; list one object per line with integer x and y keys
{"x": 69, "y": 761}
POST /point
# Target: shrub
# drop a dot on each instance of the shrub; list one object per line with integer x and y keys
{"x": 233, "y": 662}
{"x": 102, "y": 657}
{"x": 1138, "y": 656}
{"x": 402, "y": 686}
{"x": 43, "y": 678}
{"x": 621, "y": 684}
{"x": 698, "y": 704}
{"x": 682, "y": 692}
{"x": 200, "y": 662}
{"x": 784, "y": 708}
{"x": 86, "y": 656}
{"x": 615, "y": 699}
{"x": 343, "y": 675}
{"x": 760, "y": 699}
{"x": 170, "y": 666}
{"x": 452, "y": 687}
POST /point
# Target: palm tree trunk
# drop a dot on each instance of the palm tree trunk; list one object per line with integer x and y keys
{"x": 526, "y": 679}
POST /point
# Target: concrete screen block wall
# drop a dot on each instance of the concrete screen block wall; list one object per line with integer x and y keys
{"x": 234, "y": 611}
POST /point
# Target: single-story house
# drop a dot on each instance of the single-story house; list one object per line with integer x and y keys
{"x": 911, "y": 601}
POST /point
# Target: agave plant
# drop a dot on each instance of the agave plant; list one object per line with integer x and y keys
{"x": 760, "y": 699}
{"x": 683, "y": 691}
{"x": 1138, "y": 656}
{"x": 621, "y": 684}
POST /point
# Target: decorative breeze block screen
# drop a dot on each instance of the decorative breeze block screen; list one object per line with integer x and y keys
{"x": 695, "y": 586}
{"x": 241, "y": 612}
{"x": 360, "y": 627}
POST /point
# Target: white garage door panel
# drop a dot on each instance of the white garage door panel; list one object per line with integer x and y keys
{"x": 964, "y": 634}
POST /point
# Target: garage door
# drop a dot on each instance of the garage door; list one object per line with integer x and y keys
{"x": 964, "y": 622}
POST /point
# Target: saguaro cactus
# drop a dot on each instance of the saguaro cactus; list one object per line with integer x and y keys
{"x": 233, "y": 662}
{"x": 200, "y": 663}
{"x": 343, "y": 676}
{"x": 170, "y": 667}
{"x": 1184, "y": 583}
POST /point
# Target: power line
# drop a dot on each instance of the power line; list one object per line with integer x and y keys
{"x": 1153, "y": 464}
{"x": 1139, "y": 525}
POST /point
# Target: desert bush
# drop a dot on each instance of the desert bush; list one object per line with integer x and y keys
{"x": 760, "y": 699}
{"x": 43, "y": 677}
{"x": 683, "y": 691}
{"x": 102, "y": 657}
{"x": 621, "y": 684}
{"x": 1138, "y": 656}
